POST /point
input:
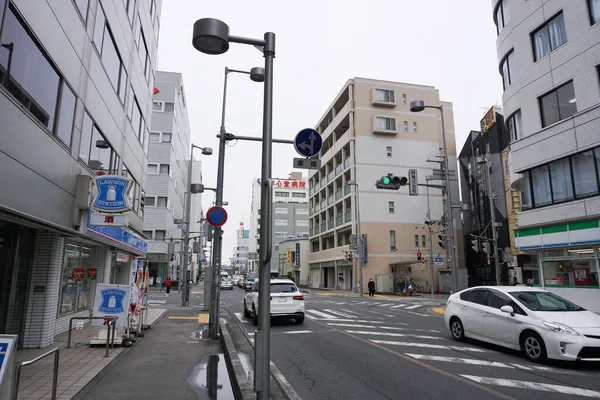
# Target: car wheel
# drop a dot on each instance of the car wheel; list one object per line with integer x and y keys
{"x": 457, "y": 329}
{"x": 246, "y": 312}
{"x": 254, "y": 316}
{"x": 299, "y": 319}
{"x": 534, "y": 347}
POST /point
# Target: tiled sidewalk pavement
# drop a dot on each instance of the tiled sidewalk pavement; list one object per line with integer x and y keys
{"x": 77, "y": 365}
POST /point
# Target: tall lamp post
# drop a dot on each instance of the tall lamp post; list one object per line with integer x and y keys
{"x": 211, "y": 36}
{"x": 191, "y": 188}
{"x": 359, "y": 239}
{"x": 418, "y": 106}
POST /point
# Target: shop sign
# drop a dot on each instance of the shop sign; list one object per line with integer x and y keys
{"x": 288, "y": 184}
{"x": 111, "y": 301}
{"x": 118, "y": 235}
{"x": 488, "y": 120}
{"x": 553, "y": 281}
{"x": 109, "y": 219}
{"x": 77, "y": 274}
{"x": 122, "y": 257}
{"x": 92, "y": 273}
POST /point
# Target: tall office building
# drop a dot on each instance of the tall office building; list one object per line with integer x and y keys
{"x": 76, "y": 81}
{"x": 290, "y": 215}
{"x": 368, "y": 132}
{"x": 549, "y": 61}
{"x": 168, "y": 158}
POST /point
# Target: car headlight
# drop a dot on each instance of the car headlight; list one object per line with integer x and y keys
{"x": 560, "y": 328}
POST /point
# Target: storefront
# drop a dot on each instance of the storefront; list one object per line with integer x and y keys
{"x": 78, "y": 278}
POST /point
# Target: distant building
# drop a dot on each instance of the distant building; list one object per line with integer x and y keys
{"x": 240, "y": 251}
{"x": 293, "y": 260}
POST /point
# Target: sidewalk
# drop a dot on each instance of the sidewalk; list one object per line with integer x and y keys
{"x": 347, "y": 293}
{"x": 78, "y": 365}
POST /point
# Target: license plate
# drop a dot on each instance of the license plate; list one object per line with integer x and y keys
{"x": 282, "y": 299}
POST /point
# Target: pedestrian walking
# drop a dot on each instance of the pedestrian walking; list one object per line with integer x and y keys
{"x": 410, "y": 287}
{"x": 402, "y": 286}
{"x": 371, "y": 288}
{"x": 168, "y": 284}
{"x": 162, "y": 287}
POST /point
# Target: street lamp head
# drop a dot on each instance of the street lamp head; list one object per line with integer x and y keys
{"x": 211, "y": 36}
{"x": 207, "y": 151}
{"x": 417, "y": 106}
{"x": 257, "y": 74}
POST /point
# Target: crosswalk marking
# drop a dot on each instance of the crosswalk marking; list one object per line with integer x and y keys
{"x": 363, "y": 302}
{"x": 416, "y": 313}
{"x": 385, "y": 304}
{"x": 395, "y": 334}
{"x": 341, "y": 314}
{"x": 398, "y": 306}
{"x": 545, "y": 387}
{"x": 409, "y": 329}
{"x": 294, "y": 332}
{"x": 413, "y": 307}
{"x": 340, "y": 303}
{"x": 349, "y": 311}
{"x": 429, "y": 346}
{"x": 353, "y": 325}
{"x": 322, "y": 314}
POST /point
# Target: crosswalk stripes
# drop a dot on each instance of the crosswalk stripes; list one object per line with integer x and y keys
{"x": 322, "y": 314}
{"x": 545, "y": 387}
{"x": 341, "y": 314}
{"x": 429, "y": 346}
{"x": 413, "y": 307}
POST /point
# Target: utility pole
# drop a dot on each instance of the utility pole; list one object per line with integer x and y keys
{"x": 430, "y": 244}
{"x": 488, "y": 165}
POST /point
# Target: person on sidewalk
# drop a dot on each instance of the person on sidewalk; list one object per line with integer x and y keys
{"x": 402, "y": 287}
{"x": 168, "y": 284}
{"x": 371, "y": 288}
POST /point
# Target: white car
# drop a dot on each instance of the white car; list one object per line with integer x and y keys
{"x": 533, "y": 320}
{"x": 286, "y": 301}
{"x": 226, "y": 283}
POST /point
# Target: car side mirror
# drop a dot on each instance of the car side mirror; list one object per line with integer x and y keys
{"x": 508, "y": 310}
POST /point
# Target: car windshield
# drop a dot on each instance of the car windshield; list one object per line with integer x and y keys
{"x": 283, "y": 288}
{"x": 545, "y": 301}
{"x": 252, "y": 277}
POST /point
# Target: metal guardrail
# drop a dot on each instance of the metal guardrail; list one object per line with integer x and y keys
{"x": 112, "y": 321}
{"x": 27, "y": 363}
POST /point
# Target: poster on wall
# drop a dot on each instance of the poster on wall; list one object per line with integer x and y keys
{"x": 77, "y": 274}
{"x": 111, "y": 301}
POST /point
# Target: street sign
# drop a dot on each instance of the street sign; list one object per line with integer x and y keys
{"x": 297, "y": 254}
{"x": 216, "y": 216}
{"x": 108, "y": 219}
{"x": 365, "y": 250}
{"x": 439, "y": 261}
{"x": 289, "y": 256}
{"x": 353, "y": 242}
{"x": 112, "y": 193}
{"x": 308, "y": 142}
{"x": 413, "y": 182}
{"x": 304, "y": 163}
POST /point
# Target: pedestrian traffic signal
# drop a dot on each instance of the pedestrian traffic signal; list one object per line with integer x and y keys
{"x": 350, "y": 256}
{"x": 475, "y": 244}
{"x": 172, "y": 257}
{"x": 418, "y": 256}
{"x": 391, "y": 182}
{"x": 442, "y": 242}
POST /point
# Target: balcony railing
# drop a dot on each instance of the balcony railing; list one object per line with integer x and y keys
{"x": 347, "y": 162}
{"x": 347, "y": 189}
{"x": 324, "y": 204}
{"x": 339, "y": 220}
{"x": 330, "y": 224}
{"x": 348, "y": 216}
{"x": 317, "y": 208}
{"x": 330, "y": 200}
{"x": 338, "y": 194}
{"x": 323, "y": 227}
{"x": 330, "y": 176}
{"x": 339, "y": 169}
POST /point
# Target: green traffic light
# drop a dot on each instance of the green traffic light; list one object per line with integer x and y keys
{"x": 386, "y": 180}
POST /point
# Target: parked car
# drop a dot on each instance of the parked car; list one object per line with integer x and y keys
{"x": 533, "y": 320}
{"x": 236, "y": 279}
{"x": 250, "y": 278}
{"x": 226, "y": 283}
{"x": 286, "y": 301}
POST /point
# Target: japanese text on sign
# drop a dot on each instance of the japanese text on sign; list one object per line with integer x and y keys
{"x": 285, "y": 183}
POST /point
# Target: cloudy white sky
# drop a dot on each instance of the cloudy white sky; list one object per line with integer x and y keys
{"x": 320, "y": 45}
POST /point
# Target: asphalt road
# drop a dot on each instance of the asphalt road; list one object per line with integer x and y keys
{"x": 373, "y": 348}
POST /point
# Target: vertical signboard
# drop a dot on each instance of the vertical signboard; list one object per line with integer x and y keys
{"x": 297, "y": 254}
{"x": 289, "y": 256}
{"x": 111, "y": 301}
{"x": 364, "y": 249}
{"x": 413, "y": 182}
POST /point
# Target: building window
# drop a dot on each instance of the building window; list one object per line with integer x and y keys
{"x": 302, "y": 211}
{"x": 562, "y": 185}
{"x": 150, "y": 201}
{"x": 388, "y": 151}
{"x": 416, "y": 240}
{"x": 577, "y": 268}
{"x": 33, "y": 79}
{"x": 136, "y": 196}
{"x": 301, "y": 223}
{"x": 384, "y": 96}
{"x": 137, "y": 121}
{"x": 584, "y": 173}
{"x": 140, "y": 42}
{"x": 299, "y": 195}
{"x": 148, "y": 234}
{"x": 281, "y": 211}
{"x": 165, "y": 169}
{"x": 558, "y": 104}
{"x": 107, "y": 50}
{"x": 549, "y": 37}
{"x": 508, "y": 70}
{"x": 540, "y": 179}
{"x": 82, "y": 8}
{"x": 155, "y": 136}
{"x": 392, "y": 240}
{"x": 282, "y": 194}
{"x": 502, "y": 15}
{"x": 594, "y": 7}
{"x": 166, "y": 137}
{"x": 281, "y": 222}
{"x": 405, "y": 126}
{"x": 385, "y": 123}
{"x": 76, "y": 280}
{"x": 162, "y": 201}
{"x": 515, "y": 126}
{"x": 94, "y": 149}
{"x": 162, "y": 169}
{"x": 423, "y": 241}
{"x": 526, "y": 200}
{"x": 403, "y": 98}
{"x": 414, "y": 127}
{"x": 160, "y": 235}
{"x": 391, "y": 207}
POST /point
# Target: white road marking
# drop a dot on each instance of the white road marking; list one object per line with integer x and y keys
{"x": 288, "y": 389}
{"x": 385, "y": 304}
{"x": 429, "y": 346}
{"x": 309, "y": 316}
{"x": 341, "y": 314}
{"x": 364, "y": 302}
{"x": 398, "y": 306}
{"x": 351, "y": 320}
{"x": 294, "y": 332}
{"x": 157, "y": 301}
{"x": 395, "y": 334}
{"x": 413, "y": 307}
{"x": 340, "y": 303}
{"x": 545, "y": 387}
{"x": 353, "y": 325}
{"x": 416, "y": 313}
{"x": 408, "y": 329}
{"x": 241, "y": 318}
{"x": 349, "y": 311}
{"x": 321, "y": 314}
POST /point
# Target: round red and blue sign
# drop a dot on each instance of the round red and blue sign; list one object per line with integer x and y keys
{"x": 216, "y": 216}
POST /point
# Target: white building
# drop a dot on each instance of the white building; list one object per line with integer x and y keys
{"x": 549, "y": 60}
{"x": 241, "y": 249}
{"x": 75, "y": 103}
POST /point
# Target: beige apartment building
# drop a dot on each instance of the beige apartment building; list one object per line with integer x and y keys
{"x": 368, "y": 132}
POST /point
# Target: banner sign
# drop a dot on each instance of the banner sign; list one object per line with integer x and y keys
{"x": 488, "y": 120}
{"x": 297, "y": 254}
{"x": 92, "y": 273}
{"x": 364, "y": 249}
{"x": 111, "y": 301}
{"x": 118, "y": 235}
{"x": 77, "y": 274}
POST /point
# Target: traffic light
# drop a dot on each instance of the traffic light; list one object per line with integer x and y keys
{"x": 418, "y": 256}
{"x": 350, "y": 256}
{"x": 475, "y": 245}
{"x": 391, "y": 182}
{"x": 172, "y": 257}
{"x": 210, "y": 234}
{"x": 442, "y": 242}
{"x": 486, "y": 247}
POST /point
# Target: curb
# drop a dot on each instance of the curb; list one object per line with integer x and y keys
{"x": 241, "y": 387}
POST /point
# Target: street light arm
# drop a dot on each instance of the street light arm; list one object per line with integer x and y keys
{"x": 245, "y": 40}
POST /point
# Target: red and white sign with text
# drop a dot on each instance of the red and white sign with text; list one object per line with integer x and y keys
{"x": 289, "y": 184}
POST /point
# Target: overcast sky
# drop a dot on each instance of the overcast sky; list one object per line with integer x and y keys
{"x": 320, "y": 45}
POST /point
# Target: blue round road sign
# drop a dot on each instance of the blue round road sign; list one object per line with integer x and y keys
{"x": 308, "y": 142}
{"x": 216, "y": 216}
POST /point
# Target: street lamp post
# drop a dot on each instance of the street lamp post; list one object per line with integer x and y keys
{"x": 211, "y": 36}
{"x": 418, "y": 106}
{"x": 359, "y": 239}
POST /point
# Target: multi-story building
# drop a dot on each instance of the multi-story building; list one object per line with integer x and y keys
{"x": 481, "y": 159}
{"x": 368, "y": 132}
{"x": 293, "y": 259}
{"x": 168, "y": 157}
{"x": 76, "y": 81}
{"x": 290, "y": 215}
{"x": 549, "y": 60}
{"x": 240, "y": 251}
